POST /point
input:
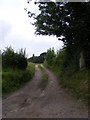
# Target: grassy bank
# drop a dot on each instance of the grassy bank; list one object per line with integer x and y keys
{"x": 75, "y": 81}
{"x": 14, "y": 79}
{"x": 44, "y": 80}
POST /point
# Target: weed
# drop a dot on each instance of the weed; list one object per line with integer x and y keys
{"x": 14, "y": 79}
{"x": 44, "y": 80}
{"x": 76, "y": 81}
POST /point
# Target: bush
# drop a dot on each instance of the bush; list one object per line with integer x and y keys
{"x": 77, "y": 83}
{"x": 22, "y": 62}
{"x": 50, "y": 56}
{"x": 69, "y": 75}
{"x": 38, "y": 59}
{"x": 14, "y": 79}
{"x": 14, "y": 60}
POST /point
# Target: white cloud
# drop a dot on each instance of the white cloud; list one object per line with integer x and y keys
{"x": 5, "y": 29}
{"x": 17, "y": 30}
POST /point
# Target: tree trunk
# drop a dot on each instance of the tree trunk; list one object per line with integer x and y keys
{"x": 82, "y": 61}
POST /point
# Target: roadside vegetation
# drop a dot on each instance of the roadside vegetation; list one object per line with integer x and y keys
{"x": 70, "y": 77}
{"x": 44, "y": 80}
{"x": 69, "y": 23}
{"x": 37, "y": 59}
{"x": 16, "y": 70}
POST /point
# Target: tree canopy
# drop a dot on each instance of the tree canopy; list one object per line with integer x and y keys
{"x": 70, "y": 20}
{"x": 38, "y": 59}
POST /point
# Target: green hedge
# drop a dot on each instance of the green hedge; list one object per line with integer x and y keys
{"x": 14, "y": 79}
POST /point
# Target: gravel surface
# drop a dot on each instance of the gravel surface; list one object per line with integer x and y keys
{"x": 52, "y": 102}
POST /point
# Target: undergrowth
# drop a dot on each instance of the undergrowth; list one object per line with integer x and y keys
{"x": 14, "y": 79}
{"x": 75, "y": 81}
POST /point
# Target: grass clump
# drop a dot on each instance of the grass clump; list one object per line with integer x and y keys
{"x": 14, "y": 79}
{"x": 41, "y": 68}
{"x": 44, "y": 80}
{"x": 67, "y": 68}
{"x": 77, "y": 83}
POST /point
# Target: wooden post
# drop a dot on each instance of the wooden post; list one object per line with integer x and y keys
{"x": 82, "y": 61}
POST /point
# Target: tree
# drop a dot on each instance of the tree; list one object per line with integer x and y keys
{"x": 70, "y": 20}
{"x": 8, "y": 57}
{"x": 61, "y": 57}
{"x": 38, "y": 59}
{"x": 50, "y": 56}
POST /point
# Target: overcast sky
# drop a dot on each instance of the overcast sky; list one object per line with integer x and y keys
{"x": 17, "y": 32}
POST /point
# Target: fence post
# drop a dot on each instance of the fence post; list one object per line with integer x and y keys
{"x": 82, "y": 61}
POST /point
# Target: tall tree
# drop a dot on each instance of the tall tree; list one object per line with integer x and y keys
{"x": 70, "y": 20}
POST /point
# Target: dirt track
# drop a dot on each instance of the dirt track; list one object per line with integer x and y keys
{"x": 53, "y": 102}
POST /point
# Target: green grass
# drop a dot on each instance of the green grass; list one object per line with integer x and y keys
{"x": 41, "y": 68}
{"x": 55, "y": 69}
{"x": 75, "y": 81}
{"x": 44, "y": 80}
{"x": 14, "y": 79}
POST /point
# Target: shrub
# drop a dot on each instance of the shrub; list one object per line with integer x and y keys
{"x": 66, "y": 68}
{"x": 13, "y": 60}
{"x": 50, "y": 56}
{"x": 14, "y": 79}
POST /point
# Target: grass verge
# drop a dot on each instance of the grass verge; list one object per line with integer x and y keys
{"x": 44, "y": 80}
{"x": 14, "y": 79}
{"x": 76, "y": 81}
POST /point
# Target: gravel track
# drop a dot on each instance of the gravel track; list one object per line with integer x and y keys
{"x": 53, "y": 102}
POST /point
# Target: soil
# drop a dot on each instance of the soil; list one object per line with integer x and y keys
{"x": 52, "y": 102}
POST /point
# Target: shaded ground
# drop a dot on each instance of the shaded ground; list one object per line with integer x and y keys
{"x": 0, "y": 108}
{"x": 53, "y": 102}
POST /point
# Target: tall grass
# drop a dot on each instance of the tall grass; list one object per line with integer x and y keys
{"x": 14, "y": 79}
{"x": 75, "y": 81}
{"x": 44, "y": 80}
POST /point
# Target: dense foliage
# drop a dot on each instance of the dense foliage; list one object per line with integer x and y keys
{"x": 69, "y": 77}
{"x": 14, "y": 79}
{"x": 38, "y": 59}
{"x": 13, "y": 59}
{"x": 50, "y": 56}
{"x": 56, "y": 59}
{"x": 16, "y": 71}
{"x": 70, "y": 20}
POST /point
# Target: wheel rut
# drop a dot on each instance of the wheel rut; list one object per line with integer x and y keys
{"x": 52, "y": 102}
